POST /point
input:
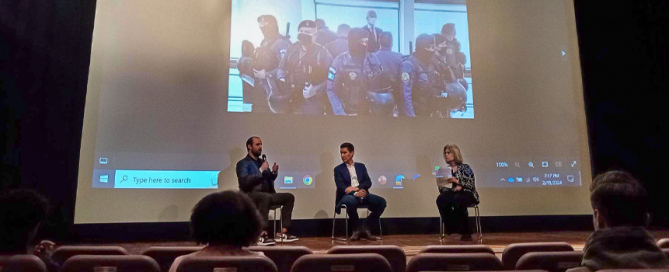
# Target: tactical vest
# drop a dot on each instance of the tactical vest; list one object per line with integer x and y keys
{"x": 427, "y": 88}
{"x": 358, "y": 83}
{"x": 301, "y": 70}
{"x": 267, "y": 56}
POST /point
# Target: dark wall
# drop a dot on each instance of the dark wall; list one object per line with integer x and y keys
{"x": 45, "y": 53}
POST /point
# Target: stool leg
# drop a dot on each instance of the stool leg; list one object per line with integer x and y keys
{"x": 334, "y": 217}
{"x": 274, "y": 223}
{"x": 380, "y": 229}
{"x": 441, "y": 227}
{"x": 346, "y": 227}
{"x": 478, "y": 225}
{"x": 281, "y": 224}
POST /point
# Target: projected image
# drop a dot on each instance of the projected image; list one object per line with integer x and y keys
{"x": 351, "y": 58}
{"x": 175, "y": 89}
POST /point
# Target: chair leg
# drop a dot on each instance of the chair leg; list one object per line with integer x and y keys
{"x": 281, "y": 224}
{"x": 441, "y": 227}
{"x": 274, "y": 223}
{"x": 380, "y": 229}
{"x": 334, "y": 217}
{"x": 479, "y": 230}
{"x": 346, "y": 237}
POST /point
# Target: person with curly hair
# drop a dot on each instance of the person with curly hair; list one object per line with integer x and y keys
{"x": 225, "y": 222}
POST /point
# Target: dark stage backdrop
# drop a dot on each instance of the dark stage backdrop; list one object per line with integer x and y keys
{"x": 45, "y": 53}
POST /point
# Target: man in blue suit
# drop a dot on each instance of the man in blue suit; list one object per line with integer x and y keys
{"x": 256, "y": 179}
{"x": 353, "y": 185}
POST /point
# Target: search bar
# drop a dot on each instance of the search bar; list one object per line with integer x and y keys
{"x": 160, "y": 179}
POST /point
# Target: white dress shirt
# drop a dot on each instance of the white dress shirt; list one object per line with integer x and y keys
{"x": 354, "y": 175}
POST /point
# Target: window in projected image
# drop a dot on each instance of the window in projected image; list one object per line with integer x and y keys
{"x": 273, "y": 71}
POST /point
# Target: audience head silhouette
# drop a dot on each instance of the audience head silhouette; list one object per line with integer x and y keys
{"x": 226, "y": 218}
{"x": 22, "y": 212}
{"x": 618, "y": 199}
{"x": 620, "y": 240}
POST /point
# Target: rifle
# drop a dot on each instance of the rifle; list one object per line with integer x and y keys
{"x": 288, "y": 30}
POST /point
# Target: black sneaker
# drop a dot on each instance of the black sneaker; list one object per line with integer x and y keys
{"x": 265, "y": 241}
{"x": 287, "y": 238}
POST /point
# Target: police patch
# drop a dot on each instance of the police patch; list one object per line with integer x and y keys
{"x": 332, "y": 73}
{"x": 406, "y": 77}
{"x": 352, "y": 75}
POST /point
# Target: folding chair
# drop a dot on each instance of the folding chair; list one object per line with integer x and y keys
{"x": 283, "y": 256}
{"x": 343, "y": 207}
{"x": 363, "y": 262}
{"x": 458, "y": 249}
{"x": 454, "y": 262}
{"x": 513, "y": 252}
{"x": 21, "y": 263}
{"x": 277, "y": 207}
{"x": 61, "y": 254}
{"x": 118, "y": 263}
{"x": 477, "y": 214}
{"x": 393, "y": 254}
{"x": 165, "y": 256}
{"x": 227, "y": 263}
{"x": 550, "y": 261}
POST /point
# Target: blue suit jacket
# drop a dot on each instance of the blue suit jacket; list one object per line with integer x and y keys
{"x": 343, "y": 179}
{"x": 249, "y": 176}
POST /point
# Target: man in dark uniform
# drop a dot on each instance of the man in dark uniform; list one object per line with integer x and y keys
{"x": 422, "y": 85}
{"x": 252, "y": 93}
{"x": 270, "y": 53}
{"x": 373, "y": 31}
{"x": 324, "y": 35}
{"x": 305, "y": 69}
{"x": 357, "y": 83}
{"x": 453, "y": 75}
{"x": 340, "y": 45}
{"x": 392, "y": 64}
{"x": 450, "y": 50}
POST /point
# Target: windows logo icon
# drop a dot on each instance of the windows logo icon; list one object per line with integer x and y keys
{"x": 308, "y": 180}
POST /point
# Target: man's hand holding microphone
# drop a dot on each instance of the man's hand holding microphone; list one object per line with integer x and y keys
{"x": 265, "y": 165}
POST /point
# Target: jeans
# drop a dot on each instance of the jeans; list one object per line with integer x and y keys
{"x": 376, "y": 205}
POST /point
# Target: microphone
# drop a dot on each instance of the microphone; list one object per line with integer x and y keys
{"x": 264, "y": 158}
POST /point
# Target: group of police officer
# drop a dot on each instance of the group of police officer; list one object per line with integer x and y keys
{"x": 353, "y": 72}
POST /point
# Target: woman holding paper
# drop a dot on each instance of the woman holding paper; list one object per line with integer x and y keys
{"x": 453, "y": 201}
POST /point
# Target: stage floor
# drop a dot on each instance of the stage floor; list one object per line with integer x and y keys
{"x": 412, "y": 244}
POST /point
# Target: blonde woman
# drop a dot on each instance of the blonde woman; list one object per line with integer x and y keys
{"x": 453, "y": 202}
